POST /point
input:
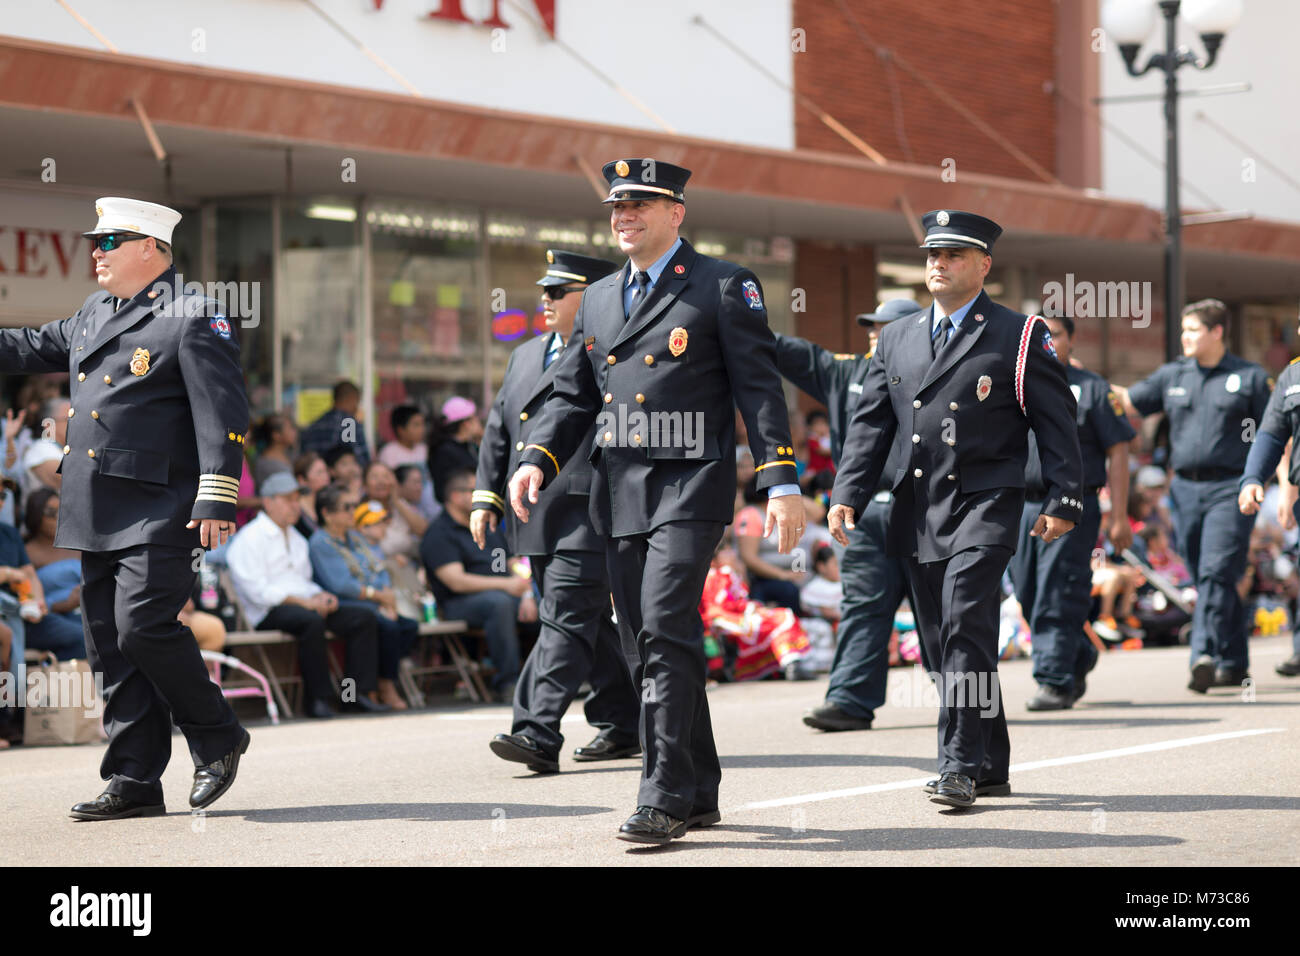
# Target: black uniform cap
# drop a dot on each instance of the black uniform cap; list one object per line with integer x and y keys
{"x": 565, "y": 267}
{"x": 645, "y": 179}
{"x": 954, "y": 229}
{"x": 891, "y": 310}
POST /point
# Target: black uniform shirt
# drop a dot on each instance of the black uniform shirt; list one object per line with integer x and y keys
{"x": 1213, "y": 412}
{"x": 446, "y": 542}
{"x": 1102, "y": 425}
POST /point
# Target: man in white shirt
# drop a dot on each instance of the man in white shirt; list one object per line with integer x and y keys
{"x": 41, "y": 459}
{"x": 271, "y": 571}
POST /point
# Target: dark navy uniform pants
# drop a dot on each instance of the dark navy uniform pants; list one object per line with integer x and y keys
{"x": 874, "y": 585}
{"x": 657, "y": 580}
{"x": 578, "y": 642}
{"x": 1214, "y": 537}
{"x": 1054, "y": 586}
{"x": 957, "y": 604}
{"x": 153, "y": 672}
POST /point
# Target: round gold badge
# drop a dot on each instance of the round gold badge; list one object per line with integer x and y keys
{"x": 622, "y": 168}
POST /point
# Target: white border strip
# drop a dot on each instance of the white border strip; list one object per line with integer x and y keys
{"x": 1015, "y": 768}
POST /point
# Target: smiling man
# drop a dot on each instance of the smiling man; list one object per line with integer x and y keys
{"x": 578, "y": 641}
{"x": 961, "y": 385}
{"x": 150, "y": 475}
{"x": 672, "y": 337}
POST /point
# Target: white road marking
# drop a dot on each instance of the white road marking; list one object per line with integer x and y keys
{"x": 1015, "y": 768}
{"x": 567, "y": 719}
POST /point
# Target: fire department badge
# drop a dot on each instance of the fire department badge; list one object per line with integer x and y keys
{"x": 550, "y": 257}
{"x": 677, "y": 339}
{"x": 750, "y": 288}
{"x": 622, "y": 168}
{"x": 140, "y": 362}
{"x": 984, "y": 387}
{"x": 941, "y": 218}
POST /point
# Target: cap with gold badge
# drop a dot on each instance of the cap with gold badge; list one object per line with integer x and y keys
{"x": 565, "y": 267}
{"x": 134, "y": 215}
{"x": 954, "y": 229}
{"x": 645, "y": 179}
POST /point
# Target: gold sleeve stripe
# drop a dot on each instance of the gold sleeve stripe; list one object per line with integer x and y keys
{"x": 220, "y": 479}
{"x": 210, "y": 496}
{"x": 772, "y": 463}
{"x": 547, "y": 454}
{"x": 487, "y": 495}
{"x": 224, "y": 489}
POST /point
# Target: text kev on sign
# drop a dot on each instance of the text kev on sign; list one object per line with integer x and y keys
{"x": 487, "y": 13}
{"x": 46, "y": 270}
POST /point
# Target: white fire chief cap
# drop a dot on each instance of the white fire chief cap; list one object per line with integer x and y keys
{"x": 134, "y": 215}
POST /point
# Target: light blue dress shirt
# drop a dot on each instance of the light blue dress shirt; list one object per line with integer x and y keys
{"x": 958, "y": 314}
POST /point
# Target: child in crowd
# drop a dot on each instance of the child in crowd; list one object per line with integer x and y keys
{"x": 765, "y": 639}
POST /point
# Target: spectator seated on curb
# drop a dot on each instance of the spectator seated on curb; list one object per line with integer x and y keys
{"x": 476, "y": 586}
{"x": 352, "y": 569}
{"x": 270, "y": 567}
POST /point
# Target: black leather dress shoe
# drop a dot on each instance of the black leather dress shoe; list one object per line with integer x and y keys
{"x": 1289, "y": 667}
{"x": 318, "y": 710}
{"x": 649, "y": 825}
{"x": 603, "y": 748}
{"x": 830, "y": 718}
{"x": 1202, "y": 674}
{"x": 954, "y": 790}
{"x": 702, "y": 818}
{"x": 364, "y": 705}
{"x": 983, "y": 788}
{"x": 1050, "y": 698}
{"x": 212, "y": 781}
{"x": 109, "y": 806}
{"x": 1230, "y": 677}
{"x": 520, "y": 748}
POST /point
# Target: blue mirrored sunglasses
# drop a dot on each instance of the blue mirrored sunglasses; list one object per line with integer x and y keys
{"x": 114, "y": 239}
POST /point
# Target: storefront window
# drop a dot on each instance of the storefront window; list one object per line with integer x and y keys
{"x": 244, "y": 256}
{"x": 320, "y": 328}
{"x": 429, "y": 325}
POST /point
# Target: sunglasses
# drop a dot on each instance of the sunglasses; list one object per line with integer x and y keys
{"x": 114, "y": 239}
{"x": 557, "y": 292}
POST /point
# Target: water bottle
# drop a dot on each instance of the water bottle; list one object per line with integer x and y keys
{"x": 430, "y": 608}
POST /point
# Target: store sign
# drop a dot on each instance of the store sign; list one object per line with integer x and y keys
{"x": 44, "y": 273}
{"x": 453, "y": 10}
{"x": 509, "y": 325}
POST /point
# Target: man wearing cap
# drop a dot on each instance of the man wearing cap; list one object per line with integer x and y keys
{"x": 960, "y": 385}
{"x": 662, "y": 352}
{"x": 873, "y": 580}
{"x": 1215, "y": 402}
{"x": 1053, "y": 579}
{"x": 578, "y": 641}
{"x": 150, "y": 474}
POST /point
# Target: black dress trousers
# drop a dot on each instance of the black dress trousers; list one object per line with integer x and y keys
{"x": 657, "y": 580}
{"x": 957, "y": 601}
{"x": 153, "y": 672}
{"x": 578, "y": 642}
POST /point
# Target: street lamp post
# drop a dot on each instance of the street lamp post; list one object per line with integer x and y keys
{"x": 1130, "y": 22}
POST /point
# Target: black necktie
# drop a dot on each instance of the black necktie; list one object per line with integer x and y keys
{"x": 552, "y": 353}
{"x": 639, "y": 294}
{"x": 940, "y": 337}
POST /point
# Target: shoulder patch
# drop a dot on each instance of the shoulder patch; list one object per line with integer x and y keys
{"x": 220, "y": 325}
{"x": 750, "y": 288}
{"x": 1115, "y": 403}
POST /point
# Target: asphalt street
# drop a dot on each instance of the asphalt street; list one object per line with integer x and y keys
{"x": 1141, "y": 772}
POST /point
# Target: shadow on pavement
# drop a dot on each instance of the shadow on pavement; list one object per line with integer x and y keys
{"x": 940, "y": 837}
{"x": 433, "y": 812}
{"x": 769, "y": 761}
{"x": 1050, "y": 718}
{"x": 1146, "y": 802}
{"x": 1210, "y": 698}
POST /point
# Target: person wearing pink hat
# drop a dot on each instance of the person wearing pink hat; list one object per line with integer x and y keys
{"x": 454, "y": 442}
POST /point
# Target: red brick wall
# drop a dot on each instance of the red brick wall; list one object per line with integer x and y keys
{"x": 838, "y": 282}
{"x": 993, "y": 57}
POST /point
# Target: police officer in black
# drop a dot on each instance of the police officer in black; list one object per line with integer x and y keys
{"x": 1215, "y": 402}
{"x": 960, "y": 385}
{"x": 150, "y": 475}
{"x": 1054, "y": 579}
{"x": 1281, "y": 425}
{"x": 873, "y": 581}
{"x": 662, "y": 355}
{"x": 578, "y": 640}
